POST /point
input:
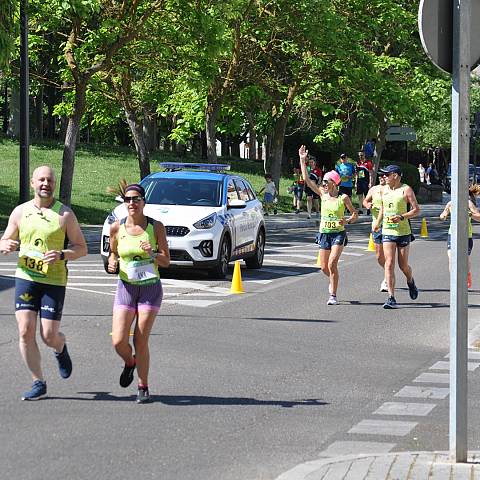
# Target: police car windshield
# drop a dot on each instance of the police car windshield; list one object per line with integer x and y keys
{"x": 182, "y": 191}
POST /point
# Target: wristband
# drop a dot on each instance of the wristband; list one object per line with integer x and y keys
{"x": 402, "y": 217}
{"x": 62, "y": 255}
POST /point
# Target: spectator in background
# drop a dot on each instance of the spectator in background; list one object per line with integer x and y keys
{"x": 313, "y": 199}
{"x": 364, "y": 169}
{"x": 421, "y": 172}
{"x": 270, "y": 194}
{"x": 432, "y": 174}
{"x": 369, "y": 148}
{"x": 297, "y": 189}
{"x": 346, "y": 170}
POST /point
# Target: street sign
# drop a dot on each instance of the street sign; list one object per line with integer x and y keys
{"x": 435, "y": 24}
{"x": 400, "y": 134}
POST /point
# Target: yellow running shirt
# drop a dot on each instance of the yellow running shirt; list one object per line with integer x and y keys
{"x": 40, "y": 231}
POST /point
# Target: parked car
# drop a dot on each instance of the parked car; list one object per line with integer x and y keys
{"x": 211, "y": 217}
{"x": 473, "y": 175}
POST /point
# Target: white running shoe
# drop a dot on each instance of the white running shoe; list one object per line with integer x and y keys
{"x": 332, "y": 300}
{"x": 384, "y": 286}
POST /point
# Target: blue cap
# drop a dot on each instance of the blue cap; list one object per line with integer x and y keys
{"x": 391, "y": 169}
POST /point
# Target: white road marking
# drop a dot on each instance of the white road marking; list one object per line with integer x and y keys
{"x": 282, "y": 272}
{"x": 434, "y": 393}
{"x": 268, "y": 261}
{"x": 296, "y": 255}
{"x": 193, "y": 303}
{"x": 383, "y": 427}
{"x": 351, "y": 254}
{"x": 90, "y": 291}
{"x": 433, "y": 378}
{"x": 352, "y": 447}
{"x": 472, "y": 366}
{"x": 403, "y": 408}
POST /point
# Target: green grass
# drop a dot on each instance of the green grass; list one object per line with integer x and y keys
{"x": 98, "y": 167}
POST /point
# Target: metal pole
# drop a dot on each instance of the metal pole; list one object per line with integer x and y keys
{"x": 459, "y": 260}
{"x": 24, "y": 105}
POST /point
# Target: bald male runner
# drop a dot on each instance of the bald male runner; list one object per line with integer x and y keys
{"x": 43, "y": 228}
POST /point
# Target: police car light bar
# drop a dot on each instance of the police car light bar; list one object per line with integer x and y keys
{"x": 211, "y": 167}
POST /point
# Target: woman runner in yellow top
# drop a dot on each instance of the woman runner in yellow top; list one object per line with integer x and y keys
{"x": 140, "y": 244}
{"x": 332, "y": 236}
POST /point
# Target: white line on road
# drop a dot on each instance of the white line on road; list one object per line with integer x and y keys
{"x": 383, "y": 427}
{"x": 403, "y": 408}
{"x": 433, "y": 393}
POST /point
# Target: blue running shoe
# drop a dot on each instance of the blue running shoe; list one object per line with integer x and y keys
{"x": 412, "y": 290}
{"x": 64, "y": 362}
{"x": 38, "y": 391}
{"x": 390, "y": 303}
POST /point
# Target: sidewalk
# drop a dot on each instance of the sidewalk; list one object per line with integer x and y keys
{"x": 388, "y": 466}
{"x": 283, "y": 221}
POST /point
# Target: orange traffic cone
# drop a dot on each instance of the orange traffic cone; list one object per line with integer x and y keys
{"x": 371, "y": 245}
{"x": 237, "y": 279}
{"x": 424, "y": 230}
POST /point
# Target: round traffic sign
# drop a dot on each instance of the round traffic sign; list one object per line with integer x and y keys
{"x": 435, "y": 24}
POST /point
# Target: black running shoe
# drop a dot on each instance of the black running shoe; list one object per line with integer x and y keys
{"x": 64, "y": 362}
{"x": 126, "y": 378}
{"x": 390, "y": 303}
{"x": 38, "y": 391}
{"x": 412, "y": 290}
{"x": 143, "y": 395}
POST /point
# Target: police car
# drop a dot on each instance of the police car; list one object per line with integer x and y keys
{"x": 211, "y": 217}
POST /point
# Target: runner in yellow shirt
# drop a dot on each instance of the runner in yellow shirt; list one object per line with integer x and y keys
{"x": 332, "y": 236}
{"x": 42, "y": 227}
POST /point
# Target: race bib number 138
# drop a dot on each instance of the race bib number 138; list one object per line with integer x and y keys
{"x": 33, "y": 263}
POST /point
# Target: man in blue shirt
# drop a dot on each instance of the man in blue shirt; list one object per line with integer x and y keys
{"x": 346, "y": 170}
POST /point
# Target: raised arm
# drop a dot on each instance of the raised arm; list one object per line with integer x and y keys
{"x": 162, "y": 258}
{"x": 354, "y": 214}
{"x": 303, "y": 154}
{"x": 446, "y": 211}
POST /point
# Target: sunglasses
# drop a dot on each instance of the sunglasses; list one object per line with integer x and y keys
{"x": 324, "y": 182}
{"x": 136, "y": 199}
{"x": 386, "y": 174}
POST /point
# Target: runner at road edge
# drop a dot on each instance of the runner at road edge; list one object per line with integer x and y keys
{"x": 333, "y": 237}
{"x": 43, "y": 227}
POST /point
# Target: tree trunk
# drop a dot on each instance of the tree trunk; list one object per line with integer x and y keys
{"x": 203, "y": 140}
{"x": 278, "y": 139}
{"x": 70, "y": 143}
{"x": 150, "y": 130}
{"x": 224, "y": 150}
{"x": 235, "y": 141}
{"x": 252, "y": 137}
{"x": 39, "y": 114}
{"x": 381, "y": 141}
{"x": 5, "y": 109}
{"x": 136, "y": 127}
{"x": 211, "y": 130}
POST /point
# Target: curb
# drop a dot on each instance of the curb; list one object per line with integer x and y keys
{"x": 307, "y": 470}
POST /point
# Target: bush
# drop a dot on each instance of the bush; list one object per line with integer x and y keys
{"x": 410, "y": 174}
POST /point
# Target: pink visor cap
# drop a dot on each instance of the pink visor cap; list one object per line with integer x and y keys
{"x": 333, "y": 176}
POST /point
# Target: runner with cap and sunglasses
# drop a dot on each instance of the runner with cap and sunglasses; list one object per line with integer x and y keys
{"x": 399, "y": 205}
{"x": 139, "y": 244}
{"x": 332, "y": 236}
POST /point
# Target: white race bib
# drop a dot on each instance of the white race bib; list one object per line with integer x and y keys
{"x": 141, "y": 271}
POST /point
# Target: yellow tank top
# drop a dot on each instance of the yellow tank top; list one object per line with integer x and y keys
{"x": 333, "y": 210}
{"x": 376, "y": 204}
{"x": 394, "y": 203}
{"x": 39, "y": 232}
{"x": 136, "y": 266}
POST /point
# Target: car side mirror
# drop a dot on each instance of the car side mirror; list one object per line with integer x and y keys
{"x": 237, "y": 204}
{"x": 119, "y": 199}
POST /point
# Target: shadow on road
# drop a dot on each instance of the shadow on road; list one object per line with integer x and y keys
{"x": 195, "y": 400}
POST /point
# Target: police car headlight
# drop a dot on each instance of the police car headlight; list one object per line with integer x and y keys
{"x": 207, "y": 222}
